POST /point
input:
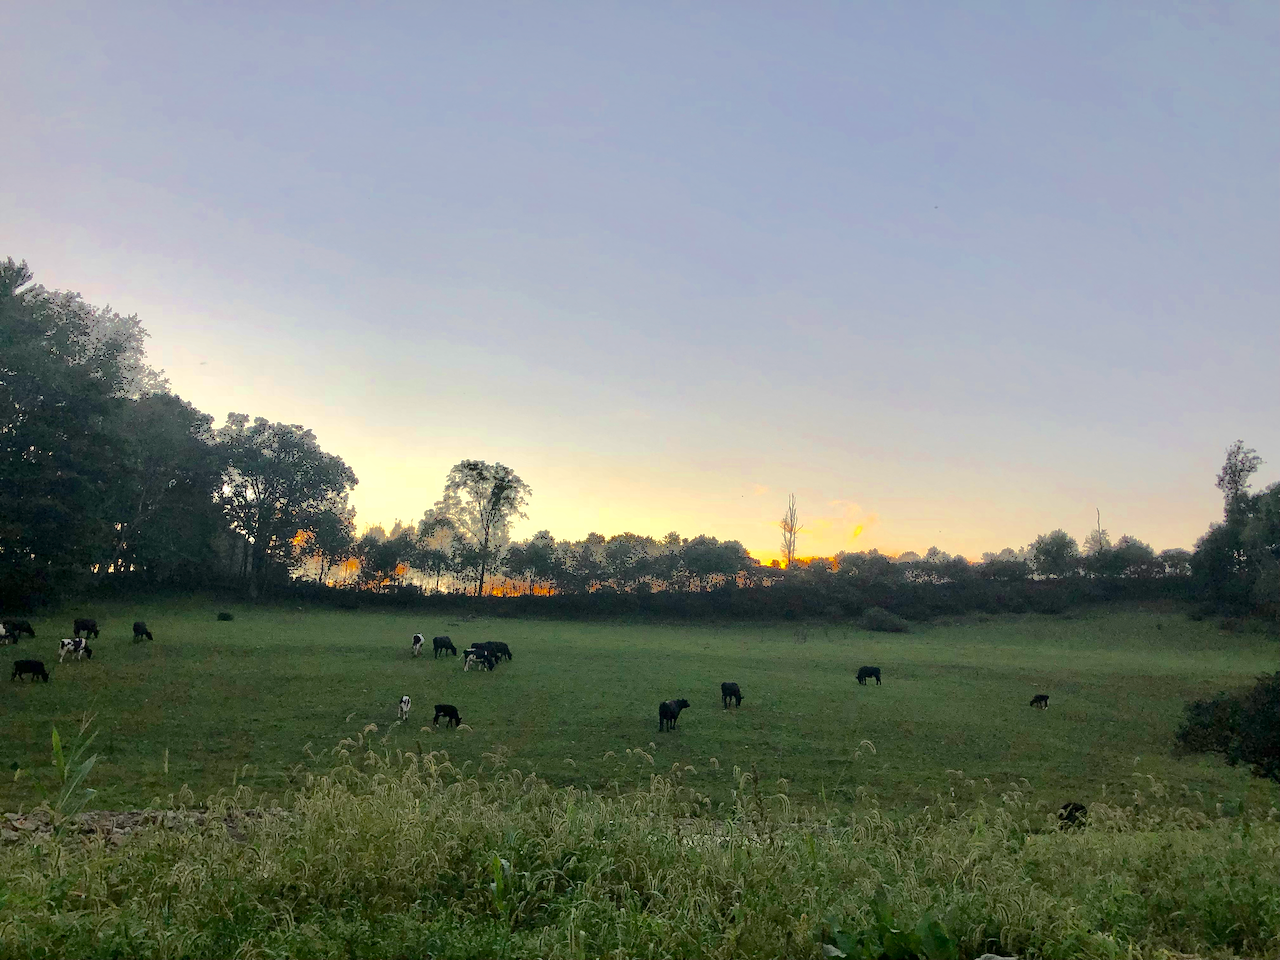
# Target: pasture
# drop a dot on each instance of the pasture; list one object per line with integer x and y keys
{"x": 207, "y": 702}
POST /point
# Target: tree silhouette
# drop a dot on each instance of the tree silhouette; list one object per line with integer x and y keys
{"x": 1233, "y": 480}
{"x": 484, "y": 499}
{"x": 790, "y": 524}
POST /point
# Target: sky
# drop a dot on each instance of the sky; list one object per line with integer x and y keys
{"x": 955, "y": 275}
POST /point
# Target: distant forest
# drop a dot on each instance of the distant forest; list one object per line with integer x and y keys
{"x": 109, "y": 481}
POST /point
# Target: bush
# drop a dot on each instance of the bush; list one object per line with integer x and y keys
{"x": 882, "y": 621}
{"x": 225, "y": 616}
{"x": 1244, "y": 728}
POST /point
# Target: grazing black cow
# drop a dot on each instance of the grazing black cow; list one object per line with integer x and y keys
{"x": 140, "y": 630}
{"x": 729, "y": 691}
{"x": 498, "y": 649}
{"x": 864, "y": 672}
{"x": 669, "y": 713}
{"x": 449, "y": 712}
{"x": 1071, "y": 816}
{"x": 86, "y": 627}
{"x": 441, "y": 645}
{"x": 31, "y": 668}
{"x": 417, "y": 644}
{"x": 15, "y": 629}
{"x": 1040, "y": 700}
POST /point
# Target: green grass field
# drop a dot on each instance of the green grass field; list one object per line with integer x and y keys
{"x": 205, "y": 698}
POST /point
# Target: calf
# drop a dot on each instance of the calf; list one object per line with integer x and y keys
{"x": 31, "y": 668}
{"x": 15, "y": 629}
{"x": 1040, "y": 700}
{"x": 404, "y": 708}
{"x": 140, "y": 630}
{"x": 417, "y": 644}
{"x": 449, "y": 712}
{"x": 729, "y": 691}
{"x": 669, "y": 713}
{"x": 86, "y": 627}
{"x": 441, "y": 645}
{"x": 77, "y": 648}
{"x": 864, "y": 672}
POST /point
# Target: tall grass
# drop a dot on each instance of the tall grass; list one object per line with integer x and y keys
{"x": 392, "y": 853}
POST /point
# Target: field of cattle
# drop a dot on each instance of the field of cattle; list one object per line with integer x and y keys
{"x": 209, "y": 701}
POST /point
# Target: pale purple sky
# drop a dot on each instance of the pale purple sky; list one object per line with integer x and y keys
{"x": 953, "y": 274}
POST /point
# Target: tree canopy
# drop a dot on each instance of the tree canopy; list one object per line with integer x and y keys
{"x": 277, "y": 482}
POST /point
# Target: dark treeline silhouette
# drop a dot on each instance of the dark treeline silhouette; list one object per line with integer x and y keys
{"x": 109, "y": 481}
{"x": 107, "y": 478}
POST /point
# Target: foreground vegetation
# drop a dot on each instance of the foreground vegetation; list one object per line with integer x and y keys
{"x": 397, "y": 854}
{"x": 207, "y": 701}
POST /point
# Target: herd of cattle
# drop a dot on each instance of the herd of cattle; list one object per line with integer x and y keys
{"x": 488, "y": 654}
{"x": 75, "y": 646}
{"x": 484, "y": 655}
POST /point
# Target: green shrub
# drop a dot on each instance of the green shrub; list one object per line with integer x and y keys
{"x": 883, "y": 621}
{"x": 1244, "y": 728}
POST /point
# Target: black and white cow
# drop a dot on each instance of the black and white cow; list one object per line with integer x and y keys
{"x": 1040, "y": 700}
{"x": 417, "y": 644}
{"x": 78, "y": 648}
{"x": 86, "y": 627}
{"x": 441, "y": 645}
{"x": 478, "y": 656}
{"x": 404, "y": 708}
{"x": 449, "y": 712}
{"x": 669, "y": 713}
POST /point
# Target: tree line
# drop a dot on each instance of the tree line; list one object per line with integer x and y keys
{"x": 106, "y": 476}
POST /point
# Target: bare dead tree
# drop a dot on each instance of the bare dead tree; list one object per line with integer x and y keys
{"x": 790, "y": 524}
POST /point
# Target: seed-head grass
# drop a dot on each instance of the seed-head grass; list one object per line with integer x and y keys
{"x": 389, "y": 852}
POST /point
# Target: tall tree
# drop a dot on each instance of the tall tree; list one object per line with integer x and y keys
{"x": 790, "y": 524}
{"x": 59, "y": 390}
{"x": 278, "y": 482}
{"x": 1233, "y": 479}
{"x": 484, "y": 499}
{"x": 162, "y": 500}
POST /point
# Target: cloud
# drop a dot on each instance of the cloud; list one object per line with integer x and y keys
{"x": 759, "y": 490}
